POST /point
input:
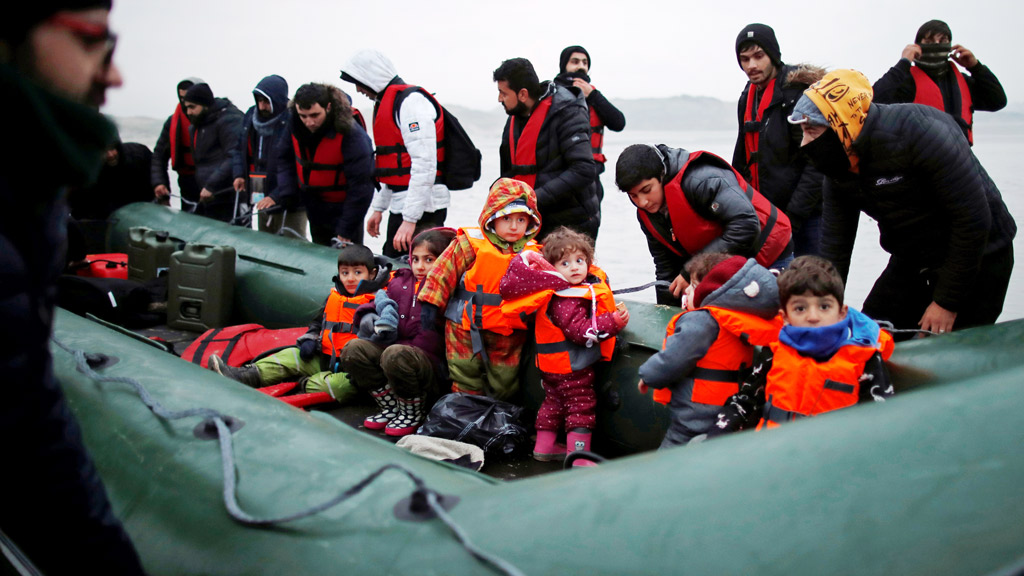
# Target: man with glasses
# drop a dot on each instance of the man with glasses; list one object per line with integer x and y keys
{"x": 55, "y": 68}
{"x": 926, "y": 74}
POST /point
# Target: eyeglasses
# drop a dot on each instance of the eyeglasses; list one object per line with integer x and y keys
{"x": 90, "y": 33}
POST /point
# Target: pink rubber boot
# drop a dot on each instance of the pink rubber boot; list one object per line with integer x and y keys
{"x": 579, "y": 439}
{"x": 545, "y": 449}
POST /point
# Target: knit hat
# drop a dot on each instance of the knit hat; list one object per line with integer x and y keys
{"x": 806, "y": 112}
{"x": 200, "y": 94}
{"x": 718, "y": 276}
{"x": 763, "y": 36}
{"x": 568, "y": 52}
{"x": 17, "y": 21}
{"x": 931, "y": 27}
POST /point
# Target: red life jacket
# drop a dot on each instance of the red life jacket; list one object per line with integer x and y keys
{"x": 695, "y": 232}
{"x": 181, "y": 147}
{"x": 751, "y": 138}
{"x": 799, "y": 386}
{"x": 597, "y": 137}
{"x": 239, "y": 345}
{"x": 477, "y": 304}
{"x": 324, "y": 173}
{"x": 337, "y": 328}
{"x": 718, "y": 374}
{"x": 358, "y": 117}
{"x": 556, "y": 354}
{"x": 523, "y": 154}
{"x": 927, "y": 92}
{"x": 394, "y": 165}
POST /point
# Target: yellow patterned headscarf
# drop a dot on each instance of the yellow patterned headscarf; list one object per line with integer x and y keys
{"x": 843, "y": 97}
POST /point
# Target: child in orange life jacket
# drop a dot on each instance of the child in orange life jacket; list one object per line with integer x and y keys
{"x": 576, "y": 324}
{"x": 483, "y": 346}
{"x": 398, "y": 359}
{"x": 828, "y": 356}
{"x": 732, "y": 306}
{"x": 314, "y": 359}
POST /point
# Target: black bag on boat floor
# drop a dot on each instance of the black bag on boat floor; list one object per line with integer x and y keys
{"x": 123, "y": 302}
{"x": 485, "y": 422}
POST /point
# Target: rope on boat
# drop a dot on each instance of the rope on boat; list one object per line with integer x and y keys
{"x": 230, "y": 477}
{"x": 657, "y": 284}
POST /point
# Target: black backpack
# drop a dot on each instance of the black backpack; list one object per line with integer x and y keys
{"x": 461, "y": 167}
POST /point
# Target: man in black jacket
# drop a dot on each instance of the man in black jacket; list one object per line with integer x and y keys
{"x": 926, "y": 74}
{"x": 688, "y": 203}
{"x": 767, "y": 149}
{"x": 574, "y": 69}
{"x": 546, "y": 143}
{"x": 55, "y": 61}
{"x": 940, "y": 216}
{"x": 216, "y": 125}
{"x": 175, "y": 145}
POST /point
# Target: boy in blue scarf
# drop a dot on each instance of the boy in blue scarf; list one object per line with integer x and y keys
{"x": 828, "y": 356}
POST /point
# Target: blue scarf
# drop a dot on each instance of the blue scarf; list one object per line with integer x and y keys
{"x": 822, "y": 342}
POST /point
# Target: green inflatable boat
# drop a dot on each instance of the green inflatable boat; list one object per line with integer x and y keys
{"x": 212, "y": 477}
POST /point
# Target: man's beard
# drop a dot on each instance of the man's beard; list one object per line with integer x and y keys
{"x": 520, "y": 109}
{"x": 263, "y": 114}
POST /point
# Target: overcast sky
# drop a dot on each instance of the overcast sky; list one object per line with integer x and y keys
{"x": 638, "y": 48}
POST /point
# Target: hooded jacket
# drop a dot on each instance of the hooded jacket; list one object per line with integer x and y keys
{"x": 603, "y": 114}
{"x": 714, "y": 193}
{"x": 751, "y": 291}
{"x": 916, "y": 175}
{"x": 415, "y": 119}
{"x": 346, "y": 217}
{"x": 214, "y": 138}
{"x": 566, "y": 183}
{"x": 784, "y": 175}
{"x": 259, "y": 138}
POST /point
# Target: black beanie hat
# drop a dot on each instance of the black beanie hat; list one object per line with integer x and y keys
{"x": 200, "y": 94}
{"x": 763, "y": 36}
{"x": 568, "y": 52}
{"x": 16, "y": 22}
{"x": 931, "y": 27}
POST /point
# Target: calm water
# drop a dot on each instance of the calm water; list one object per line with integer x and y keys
{"x": 622, "y": 248}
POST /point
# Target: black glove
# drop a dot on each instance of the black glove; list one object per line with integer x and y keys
{"x": 307, "y": 349}
{"x": 428, "y": 316}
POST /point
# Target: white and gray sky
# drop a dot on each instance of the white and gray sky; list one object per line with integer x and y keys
{"x": 639, "y": 48}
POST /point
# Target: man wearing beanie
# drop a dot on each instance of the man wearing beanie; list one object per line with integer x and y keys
{"x": 767, "y": 151}
{"x": 254, "y": 163}
{"x": 175, "y": 145}
{"x": 55, "y": 67}
{"x": 216, "y": 126}
{"x": 732, "y": 306}
{"x": 546, "y": 144}
{"x": 940, "y": 216}
{"x": 573, "y": 72}
{"x": 926, "y": 74}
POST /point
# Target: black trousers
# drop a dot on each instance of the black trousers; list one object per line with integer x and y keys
{"x": 426, "y": 222}
{"x": 904, "y": 290}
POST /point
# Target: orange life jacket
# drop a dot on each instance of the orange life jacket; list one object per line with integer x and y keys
{"x": 752, "y": 119}
{"x": 556, "y": 354}
{"x": 181, "y": 149}
{"x": 324, "y": 172}
{"x": 523, "y": 155}
{"x": 476, "y": 303}
{"x": 718, "y": 374}
{"x": 927, "y": 92}
{"x": 393, "y": 163}
{"x": 799, "y": 386}
{"x": 695, "y": 232}
{"x": 337, "y": 328}
{"x": 597, "y": 137}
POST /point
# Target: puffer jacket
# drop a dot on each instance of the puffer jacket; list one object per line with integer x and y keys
{"x": 784, "y": 176}
{"x": 215, "y": 136}
{"x": 567, "y": 179}
{"x": 934, "y": 203}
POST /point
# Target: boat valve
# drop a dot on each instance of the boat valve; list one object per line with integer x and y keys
{"x": 417, "y": 508}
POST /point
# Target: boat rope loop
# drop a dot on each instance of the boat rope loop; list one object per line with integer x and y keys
{"x": 657, "y": 284}
{"x": 84, "y": 362}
